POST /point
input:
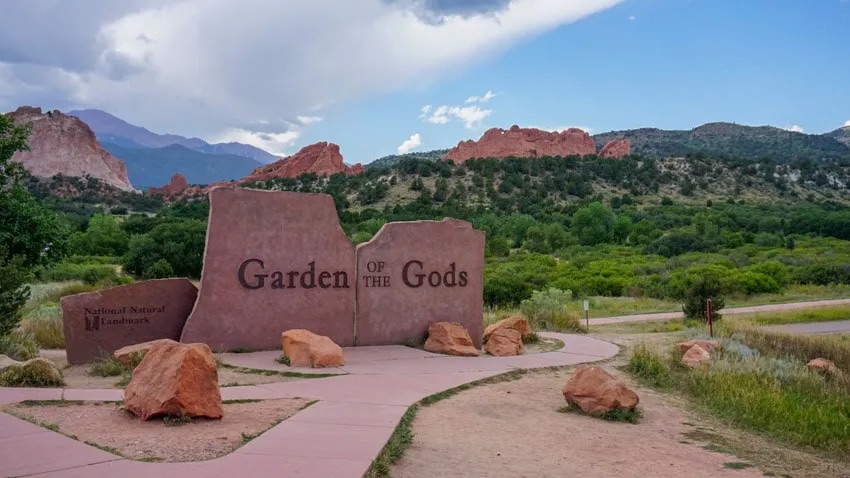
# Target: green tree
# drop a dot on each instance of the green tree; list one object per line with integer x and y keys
{"x": 593, "y": 224}
{"x": 181, "y": 244}
{"x": 104, "y": 237}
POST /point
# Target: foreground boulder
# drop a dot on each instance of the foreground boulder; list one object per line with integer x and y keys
{"x": 175, "y": 379}
{"x": 504, "y": 343}
{"x": 306, "y": 349}
{"x": 696, "y": 356}
{"x": 450, "y": 338}
{"x": 824, "y": 366}
{"x": 134, "y": 353}
{"x": 37, "y": 372}
{"x": 709, "y": 346}
{"x": 595, "y": 391}
{"x": 517, "y": 322}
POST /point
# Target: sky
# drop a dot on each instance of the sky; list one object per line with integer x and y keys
{"x": 382, "y": 77}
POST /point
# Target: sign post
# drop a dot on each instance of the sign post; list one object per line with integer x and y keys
{"x": 586, "y": 316}
{"x": 709, "y": 314}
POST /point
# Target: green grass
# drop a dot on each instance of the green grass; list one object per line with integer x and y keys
{"x": 401, "y": 438}
{"x": 108, "y": 367}
{"x": 19, "y": 345}
{"x": 240, "y": 400}
{"x": 45, "y": 325}
{"x": 503, "y": 377}
{"x": 38, "y": 373}
{"x": 276, "y": 373}
{"x": 640, "y": 327}
{"x": 815, "y": 314}
{"x": 176, "y": 420}
{"x": 615, "y": 415}
{"x": 283, "y": 359}
{"x": 800, "y": 346}
{"x": 773, "y": 396}
{"x": 736, "y": 465}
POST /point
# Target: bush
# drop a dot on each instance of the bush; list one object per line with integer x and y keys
{"x": 38, "y": 373}
{"x": 19, "y": 345}
{"x": 88, "y": 273}
{"x": 756, "y": 283}
{"x": 160, "y": 269}
{"x": 181, "y": 244}
{"x": 45, "y": 325}
{"x": 697, "y": 295}
{"x": 13, "y": 294}
{"x": 650, "y": 367}
{"x": 547, "y": 310}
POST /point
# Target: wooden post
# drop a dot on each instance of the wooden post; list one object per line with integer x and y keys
{"x": 709, "y": 315}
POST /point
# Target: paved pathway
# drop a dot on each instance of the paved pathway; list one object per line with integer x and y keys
{"x": 836, "y": 327}
{"x": 727, "y": 311}
{"x": 337, "y": 437}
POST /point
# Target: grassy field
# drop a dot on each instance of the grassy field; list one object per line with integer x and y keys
{"x": 759, "y": 382}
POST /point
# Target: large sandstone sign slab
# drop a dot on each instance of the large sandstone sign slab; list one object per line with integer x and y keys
{"x": 274, "y": 261}
{"x": 412, "y": 274}
{"x": 98, "y": 323}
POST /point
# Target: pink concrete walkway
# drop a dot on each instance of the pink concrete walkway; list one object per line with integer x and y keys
{"x": 337, "y": 437}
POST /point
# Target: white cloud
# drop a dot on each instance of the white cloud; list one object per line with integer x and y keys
{"x": 481, "y": 99}
{"x": 471, "y": 116}
{"x": 410, "y": 144}
{"x": 559, "y": 129}
{"x": 794, "y": 128}
{"x": 632, "y": 18}
{"x": 847, "y": 124}
{"x": 308, "y": 120}
{"x": 275, "y": 143}
{"x": 215, "y": 64}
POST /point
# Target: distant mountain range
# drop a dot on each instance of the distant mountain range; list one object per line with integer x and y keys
{"x": 736, "y": 141}
{"x": 153, "y": 158}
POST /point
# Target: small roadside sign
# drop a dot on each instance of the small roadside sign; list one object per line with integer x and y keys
{"x": 586, "y": 306}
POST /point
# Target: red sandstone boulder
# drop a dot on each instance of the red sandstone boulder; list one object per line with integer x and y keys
{"x": 696, "y": 356}
{"x": 126, "y": 355}
{"x": 175, "y": 379}
{"x": 823, "y": 366}
{"x": 177, "y": 185}
{"x": 595, "y": 391}
{"x": 504, "y": 343}
{"x": 616, "y": 149}
{"x": 62, "y": 144}
{"x": 709, "y": 346}
{"x": 323, "y": 158}
{"x": 516, "y": 322}
{"x": 450, "y": 338}
{"x": 523, "y": 143}
{"x": 306, "y": 349}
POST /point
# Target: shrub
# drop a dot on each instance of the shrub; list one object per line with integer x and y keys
{"x": 88, "y": 273}
{"x": 160, "y": 269}
{"x": 756, "y": 283}
{"x": 697, "y": 295}
{"x": 13, "y": 294}
{"x": 38, "y": 373}
{"x": 45, "y": 325}
{"x": 19, "y": 345}
{"x": 650, "y": 367}
{"x": 55, "y": 295}
{"x": 548, "y": 310}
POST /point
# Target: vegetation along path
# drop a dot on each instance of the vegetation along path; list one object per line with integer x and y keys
{"x": 339, "y": 436}
{"x": 727, "y": 311}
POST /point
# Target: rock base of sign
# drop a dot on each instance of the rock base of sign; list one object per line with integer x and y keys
{"x": 37, "y": 372}
{"x": 504, "y": 343}
{"x": 413, "y": 274}
{"x": 175, "y": 379}
{"x": 595, "y": 391}
{"x": 516, "y": 322}
{"x": 274, "y": 261}
{"x": 450, "y": 339}
{"x": 709, "y": 346}
{"x": 135, "y": 353}
{"x": 306, "y": 349}
{"x": 96, "y": 324}
{"x": 696, "y": 356}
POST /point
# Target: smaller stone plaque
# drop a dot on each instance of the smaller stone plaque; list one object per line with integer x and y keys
{"x": 98, "y": 323}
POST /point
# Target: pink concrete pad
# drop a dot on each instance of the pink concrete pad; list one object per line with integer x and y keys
{"x": 363, "y": 414}
{"x": 13, "y": 427}
{"x": 249, "y": 392}
{"x": 92, "y": 395}
{"x": 413, "y": 274}
{"x": 438, "y": 364}
{"x": 381, "y": 389}
{"x": 274, "y": 261}
{"x": 266, "y": 361}
{"x": 101, "y": 322}
{"x": 383, "y": 352}
{"x": 13, "y": 395}
{"x": 319, "y": 440}
{"x": 577, "y": 344}
{"x": 43, "y": 452}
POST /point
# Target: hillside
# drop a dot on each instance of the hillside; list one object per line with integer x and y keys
{"x": 841, "y": 135}
{"x": 114, "y": 130}
{"x": 153, "y": 167}
{"x": 393, "y": 159}
{"x": 733, "y": 140}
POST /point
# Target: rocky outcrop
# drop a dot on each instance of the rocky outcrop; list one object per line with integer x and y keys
{"x": 134, "y": 353}
{"x": 306, "y": 349}
{"x": 616, "y": 149}
{"x": 175, "y": 379}
{"x": 709, "y": 346}
{"x": 523, "y": 143}
{"x": 696, "y": 356}
{"x": 516, "y": 322}
{"x": 450, "y": 338}
{"x": 504, "y": 343}
{"x": 323, "y": 158}
{"x": 596, "y": 391}
{"x": 177, "y": 185}
{"x": 62, "y": 144}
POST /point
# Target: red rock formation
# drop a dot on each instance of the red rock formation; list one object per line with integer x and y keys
{"x": 177, "y": 185}
{"x": 616, "y": 149}
{"x": 323, "y": 158}
{"x": 596, "y": 391}
{"x": 61, "y": 144}
{"x": 523, "y": 143}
